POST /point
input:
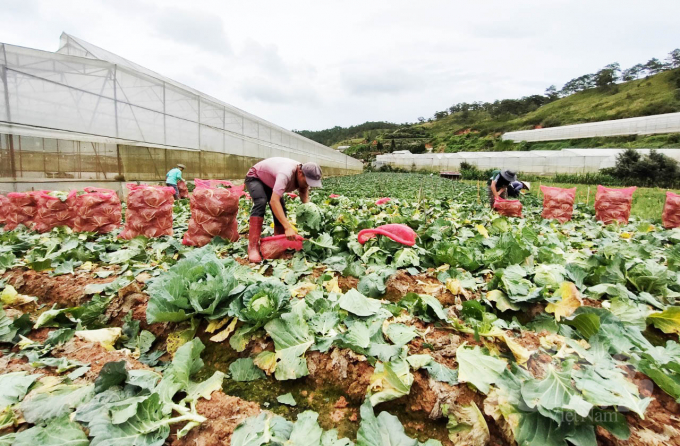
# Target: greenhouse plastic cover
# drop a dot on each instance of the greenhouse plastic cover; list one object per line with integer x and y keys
{"x": 645, "y": 125}
{"x": 84, "y": 92}
{"x": 535, "y": 161}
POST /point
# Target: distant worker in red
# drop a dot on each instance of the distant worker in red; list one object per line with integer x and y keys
{"x": 267, "y": 181}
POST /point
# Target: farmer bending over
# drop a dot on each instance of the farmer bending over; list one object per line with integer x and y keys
{"x": 498, "y": 184}
{"x": 516, "y": 187}
{"x": 266, "y": 182}
{"x": 173, "y": 176}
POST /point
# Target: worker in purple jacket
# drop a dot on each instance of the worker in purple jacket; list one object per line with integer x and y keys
{"x": 267, "y": 181}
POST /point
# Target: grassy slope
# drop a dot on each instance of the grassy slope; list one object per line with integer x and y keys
{"x": 654, "y": 95}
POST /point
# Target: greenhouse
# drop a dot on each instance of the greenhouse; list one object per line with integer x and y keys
{"x": 645, "y": 125}
{"x": 84, "y": 114}
{"x": 538, "y": 162}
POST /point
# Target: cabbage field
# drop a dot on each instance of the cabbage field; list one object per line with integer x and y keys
{"x": 488, "y": 331}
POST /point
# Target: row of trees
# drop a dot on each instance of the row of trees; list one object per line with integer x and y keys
{"x": 603, "y": 78}
{"x": 337, "y": 133}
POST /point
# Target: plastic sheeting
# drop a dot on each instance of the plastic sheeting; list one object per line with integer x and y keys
{"x": 538, "y": 162}
{"x": 645, "y": 125}
{"x": 85, "y": 93}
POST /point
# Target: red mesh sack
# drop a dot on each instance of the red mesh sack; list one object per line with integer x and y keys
{"x": 397, "y": 232}
{"x": 558, "y": 203}
{"x": 5, "y": 207}
{"x": 149, "y": 211}
{"x": 273, "y": 247}
{"x": 508, "y": 208}
{"x": 671, "y": 211}
{"x": 97, "y": 210}
{"x": 183, "y": 189}
{"x": 23, "y": 209}
{"x": 212, "y": 183}
{"x": 613, "y": 204}
{"x": 213, "y": 213}
{"x": 54, "y": 211}
{"x": 383, "y": 201}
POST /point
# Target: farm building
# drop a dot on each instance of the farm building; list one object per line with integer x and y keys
{"x": 538, "y": 162}
{"x": 645, "y": 125}
{"x": 83, "y": 114}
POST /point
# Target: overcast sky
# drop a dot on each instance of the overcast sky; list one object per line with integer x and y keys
{"x": 317, "y": 64}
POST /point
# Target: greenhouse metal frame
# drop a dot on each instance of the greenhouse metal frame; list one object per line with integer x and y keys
{"x": 86, "y": 113}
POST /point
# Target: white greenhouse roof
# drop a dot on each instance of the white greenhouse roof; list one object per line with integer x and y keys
{"x": 83, "y": 91}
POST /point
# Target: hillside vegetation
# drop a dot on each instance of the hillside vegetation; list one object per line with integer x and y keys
{"x": 611, "y": 93}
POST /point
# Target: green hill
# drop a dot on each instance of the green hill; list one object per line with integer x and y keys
{"x": 650, "y": 96}
{"x": 480, "y": 130}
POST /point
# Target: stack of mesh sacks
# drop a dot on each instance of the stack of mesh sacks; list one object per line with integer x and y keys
{"x": 214, "y": 209}
{"x": 4, "y": 209}
{"x": 558, "y": 203}
{"x": 54, "y": 209}
{"x": 149, "y": 211}
{"x": 508, "y": 208}
{"x": 671, "y": 211}
{"x": 97, "y": 210}
{"x": 183, "y": 189}
{"x": 23, "y": 207}
{"x": 613, "y": 205}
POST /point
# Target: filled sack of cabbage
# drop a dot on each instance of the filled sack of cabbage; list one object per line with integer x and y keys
{"x": 213, "y": 213}
{"x": 613, "y": 205}
{"x": 508, "y": 208}
{"x": 22, "y": 210}
{"x": 97, "y": 210}
{"x": 558, "y": 203}
{"x": 183, "y": 189}
{"x": 671, "y": 211}
{"x": 54, "y": 209}
{"x": 149, "y": 211}
{"x": 5, "y": 206}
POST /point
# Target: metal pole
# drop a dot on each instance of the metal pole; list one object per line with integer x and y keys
{"x": 12, "y": 162}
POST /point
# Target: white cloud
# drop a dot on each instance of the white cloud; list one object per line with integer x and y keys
{"x": 310, "y": 65}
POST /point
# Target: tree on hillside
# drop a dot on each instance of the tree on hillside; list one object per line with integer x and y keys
{"x": 579, "y": 84}
{"x": 673, "y": 59}
{"x": 654, "y": 66}
{"x": 440, "y": 114}
{"x": 608, "y": 75}
{"x": 421, "y": 119}
{"x": 632, "y": 73}
{"x": 551, "y": 93}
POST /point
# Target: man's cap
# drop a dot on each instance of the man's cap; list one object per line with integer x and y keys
{"x": 509, "y": 175}
{"x": 312, "y": 173}
{"x": 182, "y": 166}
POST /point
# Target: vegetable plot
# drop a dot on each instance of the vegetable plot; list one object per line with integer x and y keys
{"x": 481, "y": 330}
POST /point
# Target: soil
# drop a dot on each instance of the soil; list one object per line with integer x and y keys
{"x": 342, "y": 369}
{"x": 402, "y": 283}
{"x": 95, "y": 355}
{"x": 67, "y": 290}
{"x": 224, "y": 414}
{"x": 347, "y": 283}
